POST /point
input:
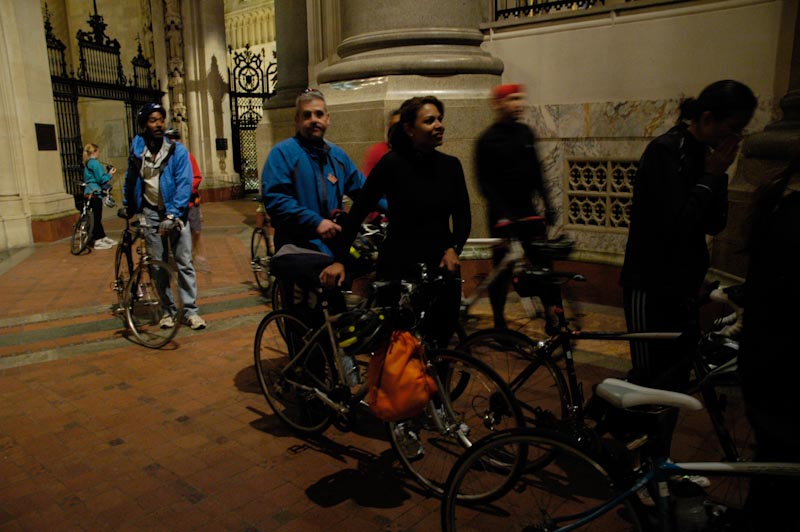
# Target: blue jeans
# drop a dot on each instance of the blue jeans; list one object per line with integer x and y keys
{"x": 182, "y": 248}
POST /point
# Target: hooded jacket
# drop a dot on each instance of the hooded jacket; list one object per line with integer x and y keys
{"x": 175, "y": 181}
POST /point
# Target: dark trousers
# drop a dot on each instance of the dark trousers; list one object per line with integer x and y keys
{"x": 661, "y": 364}
{"x": 498, "y": 290}
{"x": 96, "y": 202}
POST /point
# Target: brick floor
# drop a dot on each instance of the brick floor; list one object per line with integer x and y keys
{"x": 97, "y": 433}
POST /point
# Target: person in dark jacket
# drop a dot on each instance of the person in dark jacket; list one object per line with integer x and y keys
{"x": 680, "y": 195}
{"x": 428, "y": 205}
{"x": 768, "y": 361}
{"x": 511, "y": 179}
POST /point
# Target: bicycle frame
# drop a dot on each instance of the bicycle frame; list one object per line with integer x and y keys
{"x": 514, "y": 256}
{"x": 657, "y": 476}
{"x": 344, "y": 408}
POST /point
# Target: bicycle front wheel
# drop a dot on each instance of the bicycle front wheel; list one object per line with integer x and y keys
{"x": 471, "y": 403}
{"x": 123, "y": 264}
{"x": 292, "y": 372}
{"x": 568, "y": 489}
{"x": 533, "y": 376}
{"x": 81, "y": 233}
{"x": 152, "y": 293}
{"x": 261, "y": 249}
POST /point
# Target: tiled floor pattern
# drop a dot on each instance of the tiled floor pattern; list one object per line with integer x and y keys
{"x": 112, "y": 436}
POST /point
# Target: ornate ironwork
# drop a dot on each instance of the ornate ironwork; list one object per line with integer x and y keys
{"x": 99, "y": 54}
{"x": 253, "y": 82}
{"x": 504, "y": 9}
{"x": 600, "y": 192}
{"x": 100, "y": 76}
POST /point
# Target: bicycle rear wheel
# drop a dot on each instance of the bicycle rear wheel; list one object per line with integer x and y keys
{"x": 261, "y": 249}
{"x": 289, "y": 368}
{"x": 81, "y": 233}
{"x": 534, "y": 378}
{"x": 471, "y": 403}
{"x": 148, "y": 295}
{"x": 562, "y": 491}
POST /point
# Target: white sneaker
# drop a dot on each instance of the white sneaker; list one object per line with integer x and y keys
{"x": 195, "y": 322}
{"x": 110, "y": 241}
{"x": 101, "y": 244}
{"x": 166, "y": 322}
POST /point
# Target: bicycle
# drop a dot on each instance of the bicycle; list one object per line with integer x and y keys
{"x": 82, "y": 229}
{"x": 573, "y": 488}
{"x": 517, "y": 236}
{"x": 551, "y": 400}
{"x": 84, "y": 226}
{"x": 262, "y": 248}
{"x": 304, "y": 373}
{"x": 142, "y": 289}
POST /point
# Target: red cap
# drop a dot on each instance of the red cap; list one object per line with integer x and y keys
{"x": 501, "y": 91}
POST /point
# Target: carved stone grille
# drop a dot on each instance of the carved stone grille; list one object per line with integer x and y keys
{"x": 599, "y": 193}
{"x": 252, "y": 84}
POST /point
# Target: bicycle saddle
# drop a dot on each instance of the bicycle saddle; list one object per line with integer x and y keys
{"x": 623, "y": 394}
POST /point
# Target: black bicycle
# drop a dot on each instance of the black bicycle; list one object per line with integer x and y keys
{"x": 262, "y": 248}
{"x": 83, "y": 227}
{"x": 308, "y": 375}
{"x": 554, "y": 401}
{"x": 142, "y": 289}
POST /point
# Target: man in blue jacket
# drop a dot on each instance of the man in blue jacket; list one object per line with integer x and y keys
{"x": 306, "y": 177}
{"x": 158, "y": 184}
{"x": 303, "y": 184}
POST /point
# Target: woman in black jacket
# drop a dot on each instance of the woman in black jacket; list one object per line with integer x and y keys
{"x": 429, "y": 212}
{"x": 680, "y": 195}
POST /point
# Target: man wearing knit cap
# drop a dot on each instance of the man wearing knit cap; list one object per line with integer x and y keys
{"x": 510, "y": 177}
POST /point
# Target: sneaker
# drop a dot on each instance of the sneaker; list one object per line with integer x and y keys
{"x": 697, "y": 480}
{"x": 109, "y": 241}
{"x": 100, "y": 244}
{"x": 195, "y": 322}
{"x": 408, "y": 442}
{"x": 166, "y": 322}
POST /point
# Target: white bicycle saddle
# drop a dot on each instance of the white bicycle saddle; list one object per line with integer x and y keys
{"x": 623, "y": 394}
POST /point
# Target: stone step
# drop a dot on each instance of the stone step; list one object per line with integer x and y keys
{"x": 68, "y": 333}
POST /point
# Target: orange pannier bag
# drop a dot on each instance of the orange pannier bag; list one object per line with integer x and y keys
{"x": 399, "y": 385}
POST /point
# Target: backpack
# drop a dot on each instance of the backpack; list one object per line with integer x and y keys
{"x": 399, "y": 385}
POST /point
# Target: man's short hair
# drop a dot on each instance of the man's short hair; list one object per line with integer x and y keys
{"x": 306, "y": 96}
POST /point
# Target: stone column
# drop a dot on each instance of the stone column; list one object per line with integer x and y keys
{"x": 764, "y": 154}
{"x": 291, "y": 43}
{"x": 33, "y": 204}
{"x": 207, "y": 102}
{"x": 292, "y": 49}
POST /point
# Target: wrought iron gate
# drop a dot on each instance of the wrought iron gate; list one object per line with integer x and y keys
{"x": 252, "y": 84}
{"x": 100, "y": 75}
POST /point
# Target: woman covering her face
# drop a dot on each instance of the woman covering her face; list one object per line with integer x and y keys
{"x": 428, "y": 205}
